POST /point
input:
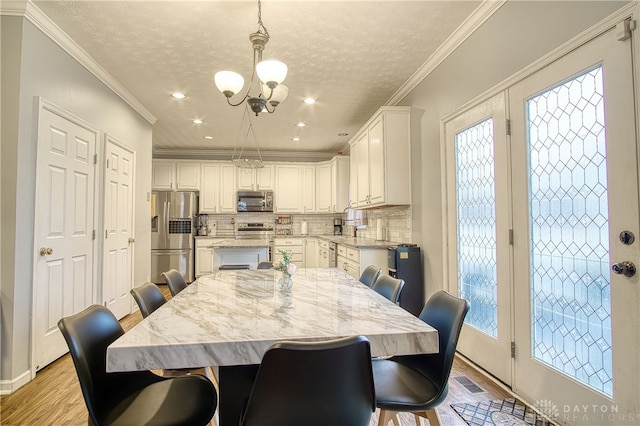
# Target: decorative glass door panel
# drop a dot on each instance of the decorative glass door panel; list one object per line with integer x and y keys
{"x": 476, "y": 212}
{"x": 570, "y": 297}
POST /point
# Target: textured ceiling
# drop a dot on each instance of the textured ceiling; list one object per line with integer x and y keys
{"x": 350, "y": 55}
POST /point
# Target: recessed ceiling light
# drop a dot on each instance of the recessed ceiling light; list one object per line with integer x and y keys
{"x": 296, "y": 139}
{"x": 343, "y": 134}
{"x": 178, "y": 95}
{"x": 208, "y": 137}
{"x": 300, "y": 124}
{"x": 309, "y": 101}
{"x": 197, "y": 121}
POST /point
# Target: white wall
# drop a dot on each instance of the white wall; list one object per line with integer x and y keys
{"x": 515, "y": 36}
{"x": 47, "y": 71}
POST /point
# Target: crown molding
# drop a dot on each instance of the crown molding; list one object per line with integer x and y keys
{"x": 483, "y": 12}
{"x": 33, "y": 14}
{"x": 224, "y": 154}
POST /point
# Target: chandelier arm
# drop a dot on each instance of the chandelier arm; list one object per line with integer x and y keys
{"x": 239, "y": 103}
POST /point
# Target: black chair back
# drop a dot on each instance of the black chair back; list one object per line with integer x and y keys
{"x": 175, "y": 281}
{"x": 317, "y": 383}
{"x": 148, "y": 297}
{"x": 370, "y": 275}
{"x": 389, "y": 287}
{"x": 265, "y": 265}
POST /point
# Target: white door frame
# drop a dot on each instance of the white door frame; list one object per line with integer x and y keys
{"x": 42, "y": 105}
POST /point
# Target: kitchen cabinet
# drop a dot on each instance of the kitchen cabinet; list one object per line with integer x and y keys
{"x": 354, "y": 260}
{"x": 255, "y": 179}
{"x": 382, "y": 160}
{"x": 308, "y": 189}
{"x": 169, "y": 175}
{"x": 323, "y": 188}
{"x": 310, "y": 252}
{"x": 288, "y": 192}
{"x": 204, "y": 256}
{"x": 295, "y": 246}
{"x": 332, "y": 185}
{"x": 323, "y": 254}
{"x": 218, "y": 188}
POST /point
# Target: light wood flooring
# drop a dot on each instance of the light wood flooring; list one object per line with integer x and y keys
{"x": 54, "y": 396}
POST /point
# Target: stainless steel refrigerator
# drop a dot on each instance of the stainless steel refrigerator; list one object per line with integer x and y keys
{"x": 172, "y": 233}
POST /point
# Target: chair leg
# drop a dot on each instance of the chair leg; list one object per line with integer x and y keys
{"x": 431, "y": 415}
{"x": 386, "y": 416}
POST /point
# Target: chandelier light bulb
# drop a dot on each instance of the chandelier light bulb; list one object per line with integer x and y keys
{"x": 271, "y": 72}
{"x": 229, "y": 82}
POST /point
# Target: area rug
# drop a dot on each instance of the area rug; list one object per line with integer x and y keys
{"x": 503, "y": 412}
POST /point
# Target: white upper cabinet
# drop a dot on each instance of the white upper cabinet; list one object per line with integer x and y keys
{"x": 383, "y": 160}
{"x": 339, "y": 184}
{"x": 323, "y": 188}
{"x": 218, "y": 188}
{"x": 308, "y": 188}
{"x": 256, "y": 179}
{"x": 288, "y": 191}
{"x": 170, "y": 175}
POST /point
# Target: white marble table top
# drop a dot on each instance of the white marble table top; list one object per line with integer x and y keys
{"x": 232, "y": 317}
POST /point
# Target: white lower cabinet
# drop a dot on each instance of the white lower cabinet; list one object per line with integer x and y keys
{"x": 353, "y": 260}
{"x": 295, "y": 246}
{"x": 310, "y": 253}
{"x": 323, "y": 254}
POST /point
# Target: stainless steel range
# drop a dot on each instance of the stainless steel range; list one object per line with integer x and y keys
{"x": 262, "y": 232}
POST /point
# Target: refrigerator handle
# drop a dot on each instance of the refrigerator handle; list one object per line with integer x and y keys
{"x": 166, "y": 224}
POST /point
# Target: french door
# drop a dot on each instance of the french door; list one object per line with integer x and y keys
{"x": 575, "y": 221}
{"x": 543, "y": 228}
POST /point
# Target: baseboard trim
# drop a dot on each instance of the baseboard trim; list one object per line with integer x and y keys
{"x": 9, "y": 386}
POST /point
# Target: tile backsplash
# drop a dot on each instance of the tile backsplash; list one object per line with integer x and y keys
{"x": 396, "y": 220}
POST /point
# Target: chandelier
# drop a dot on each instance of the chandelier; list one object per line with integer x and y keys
{"x": 239, "y": 160}
{"x": 270, "y": 72}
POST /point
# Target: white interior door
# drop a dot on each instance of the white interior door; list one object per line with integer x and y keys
{"x": 478, "y": 232}
{"x": 118, "y": 223}
{"x": 63, "y": 234}
{"x": 575, "y": 158}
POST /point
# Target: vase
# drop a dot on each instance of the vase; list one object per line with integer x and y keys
{"x": 285, "y": 282}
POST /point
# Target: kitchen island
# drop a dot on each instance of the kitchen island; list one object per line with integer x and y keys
{"x": 228, "y": 319}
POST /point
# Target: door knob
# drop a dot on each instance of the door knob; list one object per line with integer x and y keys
{"x": 132, "y": 240}
{"x": 626, "y": 268}
{"x": 45, "y": 251}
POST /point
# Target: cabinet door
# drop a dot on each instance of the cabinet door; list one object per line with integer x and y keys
{"x": 323, "y": 188}
{"x": 308, "y": 189}
{"x": 353, "y": 177}
{"x": 376, "y": 163}
{"x": 163, "y": 176}
{"x": 362, "y": 149}
{"x": 204, "y": 261}
{"x": 264, "y": 178}
{"x": 187, "y": 176}
{"x": 209, "y": 194}
{"x": 310, "y": 253}
{"x": 340, "y": 181}
{"x": 246, "y": 179}
{"x": 288, "y": 191}
{"x": 227, "y": 188}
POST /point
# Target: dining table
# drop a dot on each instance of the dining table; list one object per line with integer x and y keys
{"x": 228, "y": 319}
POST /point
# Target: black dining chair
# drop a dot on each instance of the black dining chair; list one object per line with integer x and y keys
{"x": 419, "y": 383}
{"x": 389, "y": 287}
{"x": 148, "y": 297}
{"x": 175, "y": 281}
{"x": 370, "y": 275}
{"x": 313, "y": 384}
{"x": 265, "y": 265}
{"x": 130, "y": 398}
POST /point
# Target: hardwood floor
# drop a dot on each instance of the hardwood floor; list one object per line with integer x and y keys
{"x": 54, "y": 396}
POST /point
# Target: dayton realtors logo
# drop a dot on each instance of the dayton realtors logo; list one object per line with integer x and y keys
{"x": 594, "y": 414}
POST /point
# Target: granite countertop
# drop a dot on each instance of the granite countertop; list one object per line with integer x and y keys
{"x": 232, "y": 317}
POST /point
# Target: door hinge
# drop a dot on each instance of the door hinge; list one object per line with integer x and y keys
{"x": 513, "y": 350}
{"x": 508, "y": 124}
{"x": 95, "y": 158}
{"x": 106, "y": 234}
{"x": 510, "y": 237}
{"x": 107, "y": 164}
{"x": 93, "y": 234}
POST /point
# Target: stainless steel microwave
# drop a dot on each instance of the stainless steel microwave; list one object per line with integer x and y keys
{"x": 255, "y": 201}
